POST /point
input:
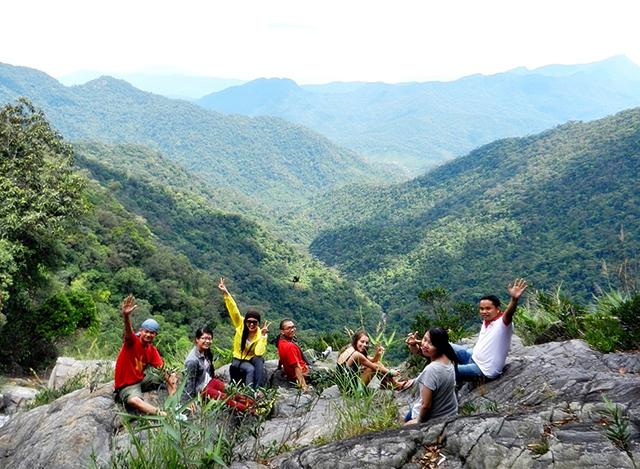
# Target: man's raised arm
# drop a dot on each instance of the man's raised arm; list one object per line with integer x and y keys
{"x": 127, "y": 307}
{"x": 516, "y": 289}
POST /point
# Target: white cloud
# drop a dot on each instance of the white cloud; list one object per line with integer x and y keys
{"x": 315, "y": 41}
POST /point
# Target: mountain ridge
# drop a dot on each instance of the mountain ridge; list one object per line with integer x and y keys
{"x": 548, "y": 206}
{"x": 264, "y": 157}
{"x": 418, "y": 125}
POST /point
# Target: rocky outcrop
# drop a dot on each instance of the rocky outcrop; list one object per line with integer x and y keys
{"x": 300, "y": 419}
{"x": 15, "y": 396}
{"x": 64, "y": 434}
{"x": 88, "y": 371}
{"x": 547, "y": 410}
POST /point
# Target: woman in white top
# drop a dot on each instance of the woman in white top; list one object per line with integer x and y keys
{"x": 437, "y": 381}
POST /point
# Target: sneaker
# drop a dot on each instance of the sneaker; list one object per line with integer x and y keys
{"x": 326, "y": 353}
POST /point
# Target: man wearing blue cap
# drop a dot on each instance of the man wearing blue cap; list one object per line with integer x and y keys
{"x": 136, "y": 354}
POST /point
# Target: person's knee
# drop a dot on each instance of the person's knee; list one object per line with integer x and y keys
{"x": 469, "y": 372}
{"x": 135, "y": 401}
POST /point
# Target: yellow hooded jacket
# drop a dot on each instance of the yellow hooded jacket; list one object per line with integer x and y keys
{"x": 255, "y": 348}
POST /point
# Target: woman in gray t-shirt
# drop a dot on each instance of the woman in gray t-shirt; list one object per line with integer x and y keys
{"x": 437, "y": 381}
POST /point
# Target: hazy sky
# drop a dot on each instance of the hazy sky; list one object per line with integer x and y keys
{"x": 315, "y": 41}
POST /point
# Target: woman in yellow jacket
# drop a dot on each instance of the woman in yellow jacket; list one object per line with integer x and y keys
{"x": 249, "y": 342}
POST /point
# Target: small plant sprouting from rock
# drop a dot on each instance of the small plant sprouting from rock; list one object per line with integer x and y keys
{"x": 519, "y": 392}
{"x": 491, "y": 406}
{"x": 468, "y": 408}
{"x": 542, "y": 446}
{"x": 539, "y": 448}
{"x": 273, "y": 450}
{"x": 616, "y": 425}
{"x": 471, "y": 408}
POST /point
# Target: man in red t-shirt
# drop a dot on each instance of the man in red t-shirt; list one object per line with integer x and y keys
{"x": 293, "y": 363}
{"x": 136, "y": 354}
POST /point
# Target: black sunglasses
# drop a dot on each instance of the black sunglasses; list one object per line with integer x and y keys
{"x": 251, "y": 321}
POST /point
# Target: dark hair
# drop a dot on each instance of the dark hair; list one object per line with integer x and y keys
{"x": 251, "y": 314}
{"x": 493, "y": 299}
{"x": 277, "y": 340}
{"x": 283, "y": 321}
{"x": 356, "y": 337}
{"x": 207, "y": 353}
{"x": 439, "y": 338}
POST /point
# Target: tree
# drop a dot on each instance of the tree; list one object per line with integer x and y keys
{"x": 41, "y": 196}
{"x": 457, "y": 317}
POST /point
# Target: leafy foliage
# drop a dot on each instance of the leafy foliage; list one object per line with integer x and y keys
{"x": 64, "y": 312}
{"x": 616, "y": 425}
{"x": 628, "y": 314}
{"x": 225, "y": 245}
{"x": 266, "y": 158}
{"x": 362, "y": 409}
{"x": 516, "y": 207}
{"x": 607, "y": 325}
{"x": 41, "y": 195}
{"x": 206, "y": 439}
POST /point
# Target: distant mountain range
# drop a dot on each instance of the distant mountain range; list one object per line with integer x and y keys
{"x": 550, "y": 207}
{"x": 419, "y": 125}
{"x": 266, "y": 158}
{"x": 169, "y": 84}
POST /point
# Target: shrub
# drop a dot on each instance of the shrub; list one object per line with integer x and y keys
{"x": 602, "y": 331}
{"x": 616, "y": 425}
{"x": 628, "y": 314}
{"x": 64, "y": 312}
{"x": 362, "y": 409}
{"x": 205, "y": 440}
{"x": 549, "y": 317}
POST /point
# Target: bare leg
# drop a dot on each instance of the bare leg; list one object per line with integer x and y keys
{"x": 142, "y": 406}
{"x": 172, "y": 384}
{"x": 367, "y": 374}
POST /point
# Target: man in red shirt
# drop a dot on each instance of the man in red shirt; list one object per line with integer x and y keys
{"x": 136, "y": 354}
{"x": 293, "y": 363}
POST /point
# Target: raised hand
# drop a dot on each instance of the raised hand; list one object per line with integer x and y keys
{"x": 128, "y": 305}
{"x": 412, "y": 339}
{"x": 517, "y": 288}
{"x": 222, "y": 287}
{"x": 265, "y": 327}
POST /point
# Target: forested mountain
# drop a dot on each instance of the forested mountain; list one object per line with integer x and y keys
{"x": 266, "y": 158}
{"x": 259, "y": 267}
{"x": 549, "y": 207}
{"x": 74, "y": 242}
{"x": 139, "y": 162}
{"x": 418, "y": 125}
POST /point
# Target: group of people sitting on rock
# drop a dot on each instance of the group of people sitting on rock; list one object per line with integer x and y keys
{"x": 448, "y": 363}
